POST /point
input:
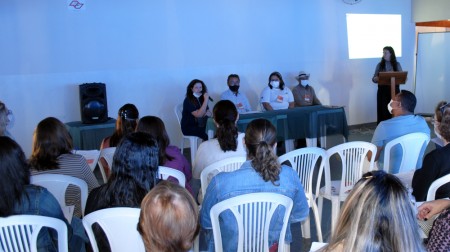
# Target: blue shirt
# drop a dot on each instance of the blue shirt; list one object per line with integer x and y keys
{"x": 247, "y": 180}
{"x": 397, "y": 127}
{"x": 239, "y": 100}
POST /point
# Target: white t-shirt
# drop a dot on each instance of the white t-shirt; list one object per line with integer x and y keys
{"x": 277, "y": 98}
{"x": 209, "y": 152}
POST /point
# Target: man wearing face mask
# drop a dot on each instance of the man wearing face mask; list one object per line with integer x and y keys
{"x": 304, "y": 94}
{"x": 276, "y": 96}
{"x": 403, "y": 122}
{"x": 232, "y": 94}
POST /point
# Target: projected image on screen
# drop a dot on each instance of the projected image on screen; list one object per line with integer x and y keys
{"x": 368, "y": 33}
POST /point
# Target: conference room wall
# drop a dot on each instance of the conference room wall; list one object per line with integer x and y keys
{"x": 147, "y": 51}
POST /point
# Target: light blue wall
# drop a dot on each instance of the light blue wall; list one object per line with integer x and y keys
{"x": 147, "y": 51}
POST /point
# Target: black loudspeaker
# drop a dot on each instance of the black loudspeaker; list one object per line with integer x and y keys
{"x": 93, "y": 105}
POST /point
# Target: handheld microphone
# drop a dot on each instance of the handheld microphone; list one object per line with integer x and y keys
{"x": 211, "y": 99}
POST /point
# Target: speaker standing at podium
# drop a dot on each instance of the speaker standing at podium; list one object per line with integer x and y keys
{"x": 388, "y": 63}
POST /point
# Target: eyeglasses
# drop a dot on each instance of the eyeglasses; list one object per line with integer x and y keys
{"x": 442, "y": 108}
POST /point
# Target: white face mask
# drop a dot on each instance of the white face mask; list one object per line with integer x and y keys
{"x": 389, "y": 106}
{"x": 275, "y": 84}
{"x": 305, "y": 82}
{"x": 197, "y": 95}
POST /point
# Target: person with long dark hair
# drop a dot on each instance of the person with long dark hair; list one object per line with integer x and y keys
{"x": 127, "y": 118}
{"x": 18, "y": 196}
{"x": 228, "y": 142}
{"x": 52, "y": 154}
{"x": 134, "y": 174}
{"x": 276, "y": 95}
{"x": 260, "y": 173}
{"x": 388, "y": 63}
{"x": 195, "y": 110}
{"x": 169, "y": 155}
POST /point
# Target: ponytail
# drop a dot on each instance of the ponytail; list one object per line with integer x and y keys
{"x": 227, "y": 134}
{"x": 260, "y": 138}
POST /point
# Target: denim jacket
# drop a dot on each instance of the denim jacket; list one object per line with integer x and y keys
{"x": 247, "y": 180}
{"x": 38, "y": 201}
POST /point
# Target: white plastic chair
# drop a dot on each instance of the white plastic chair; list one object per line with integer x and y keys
{"x": 193, "y": 140}
{"x": 20, "y": 232}
{"x": 106, "y": 154}
{"x": 304, "y": 162}
{"x": 91, "y": 157}
{"x": 253, "y": 214}
{"x": 57, "y": 185}
{"x": 352, "y": 156}
{"x": 166, "y": 172}
{"x": 411, "y": 145}
{"x": 224, "y": 165}
{"x": 120, "y": 227}
{"x": 435, "y": 186}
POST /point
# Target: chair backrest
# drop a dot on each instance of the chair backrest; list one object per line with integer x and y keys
{"x": 57, "y": 184}
{"x": 304, "y": 161}
{"x": 253, "y": 213}
{"x": 20, "y": 232}
{"x": 224, "y": 165}
{"x": 91, "y": 157}
{"x": 435, "y": 186}
{"x": 120, "y": 227}
{"x": 411, "y": 145}
{"x": 352, "y": 156}
{"x": 107, "y": 155}
{"x": 179, "y": 112}
{"x": 166, "y": 172}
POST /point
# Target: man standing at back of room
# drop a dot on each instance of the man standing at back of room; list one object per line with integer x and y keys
{"x": 232, "y": 94}
{"x": 403, "y": 122}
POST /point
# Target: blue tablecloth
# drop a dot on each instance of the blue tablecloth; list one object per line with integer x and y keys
{"x": 298, "y": 122}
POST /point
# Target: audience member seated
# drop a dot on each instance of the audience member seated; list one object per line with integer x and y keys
{"x": 169, "y": 219}
{"x": 304, "y": 94}
{"x": 437, "y": 118}
{"x": 260, "y": 173}
{"x": 436, "y": 164}
{"x": 403, "y": 122}
{"x": 227, "y": 144}
{"x": 18, "y": 196}
{"x": 52, "y": 154}
{"x": 232, "y": 94}
{"x": 4, "y": 120}
{"x": 126, "y": 122}
{"x": 134, "y": 174}
{"x": 276, "y": 95}
{"x": 439, "y": 238}
{"x": 376, "y": 216}
{"x": 169, "y": 155}
{"x": 195, "y": 110}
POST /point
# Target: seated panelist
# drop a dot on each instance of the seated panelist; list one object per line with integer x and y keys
{"x": 195, "y": 110}
{"x": 276, "y": 96}
{"x": 232, "y": 94}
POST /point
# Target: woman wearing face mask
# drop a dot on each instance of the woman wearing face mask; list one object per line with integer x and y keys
{"x": 388, "y": 63}
{"x": 276, "y": 96}
{"x": 436, "y": 121}
{"x": 436, "y": 164}
{"x": 195, "y": 110}
{"x": 4, "y": 120}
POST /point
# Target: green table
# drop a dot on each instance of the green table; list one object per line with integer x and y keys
{"x": 309, "y": 122}
{"x": 89, "y": 136}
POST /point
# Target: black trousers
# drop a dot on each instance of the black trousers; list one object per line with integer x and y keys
{"x": 383, "y": 99}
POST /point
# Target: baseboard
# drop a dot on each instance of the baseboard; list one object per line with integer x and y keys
{"x": 363, "y": 125}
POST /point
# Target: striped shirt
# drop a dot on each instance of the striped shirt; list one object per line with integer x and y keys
{"x": 76, "y": 166}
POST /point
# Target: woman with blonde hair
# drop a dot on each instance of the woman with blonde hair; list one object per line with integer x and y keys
{"x": 376, "y": 216}
{"x": 169, "y": 218}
